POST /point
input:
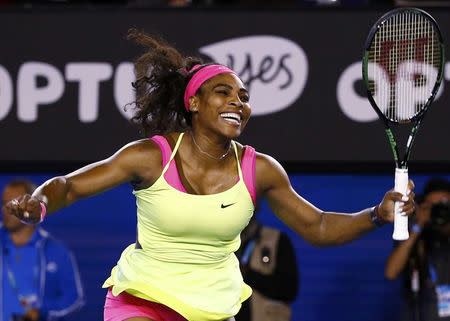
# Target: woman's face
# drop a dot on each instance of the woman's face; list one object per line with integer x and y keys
{"x": 222, "y": 104}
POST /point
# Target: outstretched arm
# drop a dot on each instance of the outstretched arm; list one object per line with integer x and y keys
{"x": 316, "y": 226}
{"x": 137, "y": 161}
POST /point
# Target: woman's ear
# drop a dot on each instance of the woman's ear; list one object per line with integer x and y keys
{"x": 193, "y": 103}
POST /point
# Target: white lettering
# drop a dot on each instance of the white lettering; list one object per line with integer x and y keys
{"x": 30, "y": 95}
{"x": 354, "y": 106}
{"x": 89, "y": 76}
{"x": 407, "y": 89}
{"x": 274, "y": 69}
{"x": 123, "y": 91}
{"x": 6, "y": 92}
{"x": 358, "y": 108}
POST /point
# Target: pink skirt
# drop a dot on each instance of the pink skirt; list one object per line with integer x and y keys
{"x": 125, "y": 306}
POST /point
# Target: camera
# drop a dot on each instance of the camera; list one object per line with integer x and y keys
{"x": 440, "y": 214}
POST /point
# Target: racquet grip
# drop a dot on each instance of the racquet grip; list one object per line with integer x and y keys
{"x": 400, "y": 221}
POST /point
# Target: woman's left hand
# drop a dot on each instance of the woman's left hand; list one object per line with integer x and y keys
{"x": 407, "y": 206}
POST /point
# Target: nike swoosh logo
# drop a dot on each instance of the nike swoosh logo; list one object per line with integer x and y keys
{"x": 225, "y": 206}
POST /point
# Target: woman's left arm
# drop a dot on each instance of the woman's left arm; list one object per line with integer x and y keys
{"x": 314, "y": 225}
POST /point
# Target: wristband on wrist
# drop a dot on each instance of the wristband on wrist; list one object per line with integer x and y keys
{"x": 416, "y": 228}
{"x": 375, "y": 218}
{"x": 43, "y": 211}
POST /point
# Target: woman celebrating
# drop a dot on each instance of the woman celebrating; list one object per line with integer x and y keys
{"x": 195, "y": 190}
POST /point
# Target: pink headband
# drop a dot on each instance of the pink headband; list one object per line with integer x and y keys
{"x": 200, "y": 77}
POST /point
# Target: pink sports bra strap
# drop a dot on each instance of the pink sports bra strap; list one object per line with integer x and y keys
{"x": 248, "y": 171}
{"x": 164, "y": 146}
{"x": 171, "y": 175}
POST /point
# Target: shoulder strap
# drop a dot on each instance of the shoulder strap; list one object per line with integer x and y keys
{"x": 248, "y": 170}
{"x": 164, "y": 146}
{"x": 170, "y": 171}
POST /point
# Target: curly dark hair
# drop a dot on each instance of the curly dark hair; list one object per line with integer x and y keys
{"x": 161, "y": 78}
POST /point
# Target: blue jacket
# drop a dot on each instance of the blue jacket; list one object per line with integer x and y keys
{"x": 57, "y": 279}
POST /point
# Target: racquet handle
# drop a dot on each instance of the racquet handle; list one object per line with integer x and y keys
{"x": 400, "y": 221}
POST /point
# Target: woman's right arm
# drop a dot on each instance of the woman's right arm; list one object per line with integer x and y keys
{"x": 137, "y": 161}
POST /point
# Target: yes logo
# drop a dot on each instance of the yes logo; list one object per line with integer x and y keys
{"x": 274, "y": 69}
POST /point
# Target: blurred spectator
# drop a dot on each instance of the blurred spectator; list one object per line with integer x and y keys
{"x": 38, "y": 275}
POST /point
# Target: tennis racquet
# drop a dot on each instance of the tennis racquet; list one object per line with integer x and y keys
{"x": 402, "y": 70}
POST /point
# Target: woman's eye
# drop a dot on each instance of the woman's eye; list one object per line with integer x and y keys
{"x": 223, "y": 92}
{"x": 245, "y": 99}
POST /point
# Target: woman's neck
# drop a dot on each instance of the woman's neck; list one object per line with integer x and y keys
{"x": 208, "y": 148}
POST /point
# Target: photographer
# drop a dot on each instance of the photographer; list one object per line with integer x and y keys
{"x": 424, "y": 259}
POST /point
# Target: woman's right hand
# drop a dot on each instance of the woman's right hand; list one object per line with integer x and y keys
{"x": 27, "y": 208}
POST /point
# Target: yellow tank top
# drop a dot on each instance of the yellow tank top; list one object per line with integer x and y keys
{"x": 188, "y": 241}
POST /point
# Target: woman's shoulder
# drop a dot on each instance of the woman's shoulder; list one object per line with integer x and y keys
{"x": 141, "y": 151}
{"x": 265, "y": 161}
{"x": 144, "y": 146}
{"x": 169, "y": 138}
{"x": 151, "y": 147}
{"x": 142, "y": 157}
{"x": 268, "y": 171}
{"x": 262, "y": 160}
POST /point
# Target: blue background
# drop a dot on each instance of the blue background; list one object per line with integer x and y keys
{"x": 343, "y": 283}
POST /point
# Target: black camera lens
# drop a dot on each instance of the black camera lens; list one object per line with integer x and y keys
{"x": 440, "y": 213}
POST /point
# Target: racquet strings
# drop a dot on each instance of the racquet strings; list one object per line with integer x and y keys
{"x": 404, "y": 60}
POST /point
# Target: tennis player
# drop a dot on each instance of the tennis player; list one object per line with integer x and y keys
{"x": 195, "y": 189}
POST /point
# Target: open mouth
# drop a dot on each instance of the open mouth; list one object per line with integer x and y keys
{"x": 233, "y": 118}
